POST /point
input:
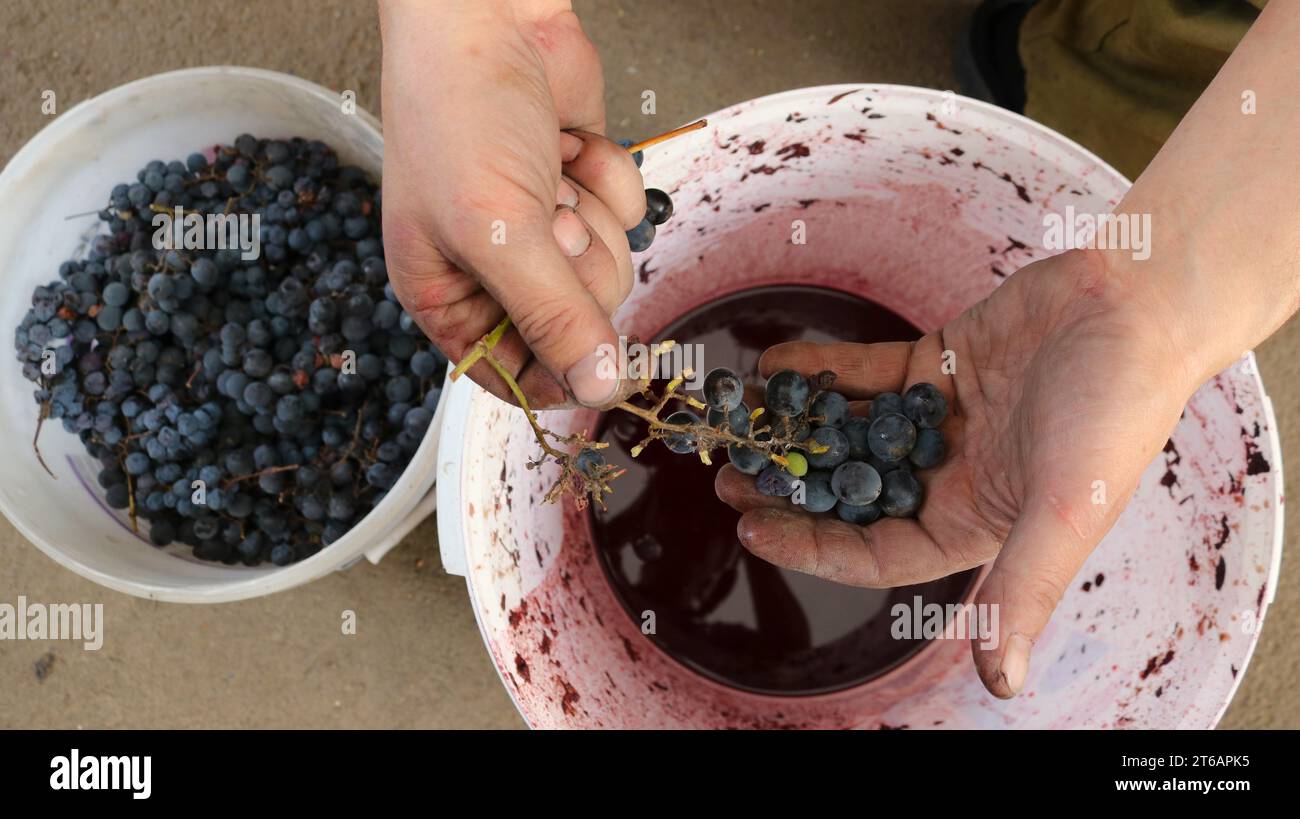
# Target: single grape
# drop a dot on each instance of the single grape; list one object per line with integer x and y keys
{"x": 723, "y": 389}
{"x": 775, "y": 481}
{"x": 925, "y": 405}
{"x": 929, "y": 450}
{"x": 162, "y": 532}
{"x": 748, "y": 460}
{"x": 818, "y": 495}
{"x": 786, "y": 393}
{"x": 681, "y": 442}
{"x": 736, "y": 420}
{"x": 659, "y": 206}
{"x": 891, "y": 437}
{"x": 858, "y": 515}
{"x": 856, "y": 431}
{"x": 900, "y": 495}
{"x": 640, "y": 237}
{"x": 137, "y": 463}
{"x": 837, "y": 448}
{"x": 855, "y": 483}
{"x": 116, "y": 294}
{"x": 885, "y": 403}
{"x": 831, "y": 407}
{"x": 884, "y": 467}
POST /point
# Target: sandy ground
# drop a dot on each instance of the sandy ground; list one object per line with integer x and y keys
{"x": 417, "y": 660}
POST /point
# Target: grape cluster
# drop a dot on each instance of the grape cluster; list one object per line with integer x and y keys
{"x": 292, "y": 387}
{"x": 860, "y": 468}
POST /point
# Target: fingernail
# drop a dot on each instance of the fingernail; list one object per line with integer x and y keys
{"x": 566, "y": 195}
{"x": 570, "y": 232}
{"x": 594, "y": 380}
{"x": 1015, "y": 661}
{"x": 570, "y": 146}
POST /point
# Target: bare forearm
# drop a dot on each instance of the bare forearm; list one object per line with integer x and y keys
{"x": 1224, "y": 199}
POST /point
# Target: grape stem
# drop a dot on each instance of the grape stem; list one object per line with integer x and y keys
{"x": 268, "y": 471}
{"x": 667, "y": 135}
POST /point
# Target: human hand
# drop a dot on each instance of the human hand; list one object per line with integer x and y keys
{"x": 500, "y": 194}
{"x": 1070, "y": 373}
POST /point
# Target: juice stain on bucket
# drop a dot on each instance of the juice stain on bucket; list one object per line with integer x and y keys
{"x": 668, "y": 545}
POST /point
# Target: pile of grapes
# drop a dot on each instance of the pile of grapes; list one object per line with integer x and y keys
{"x": 859, "y": 467}
{"x": 252, "y": 409}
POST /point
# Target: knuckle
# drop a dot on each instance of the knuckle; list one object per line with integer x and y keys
{"x": 546, "y": 325}
{"x": 1042, "y": 592}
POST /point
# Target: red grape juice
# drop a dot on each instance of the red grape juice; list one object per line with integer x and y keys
{"x": 668, "y": 545}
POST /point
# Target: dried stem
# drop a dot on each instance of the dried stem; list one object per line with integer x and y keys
{"x": 36, "y": 447}
{"x": 655, "y": 140}
{"x": 268, "y": 471}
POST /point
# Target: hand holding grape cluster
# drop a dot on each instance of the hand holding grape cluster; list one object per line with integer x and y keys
{"x": 858, "y": 467}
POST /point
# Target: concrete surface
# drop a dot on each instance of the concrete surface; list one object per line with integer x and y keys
{"x": 416, "y": 660}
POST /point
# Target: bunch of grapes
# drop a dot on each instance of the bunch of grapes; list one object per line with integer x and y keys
{"x": 291, "y": 389}
{"x": 858, "y": 467}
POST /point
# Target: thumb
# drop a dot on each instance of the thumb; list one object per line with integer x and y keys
{"x": 1047, "y": 546}
{"x": 531, "y": 275}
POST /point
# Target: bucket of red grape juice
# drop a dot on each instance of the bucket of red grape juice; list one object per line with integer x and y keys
{"x": 868, "y": 213}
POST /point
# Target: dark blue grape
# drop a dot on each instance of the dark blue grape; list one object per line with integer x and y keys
{"x": 640, "y": 237}
{"x": 891, "y": 437}
{"x": 925, "y": 405}
{"x": 886, "y": 403}
{"x": 837, "y": 448}
{"x": 858, "y": 515}
{"x": 901, "y": 494}
{"x": 929, "y": 449}
{"x": 786, "y": 393}
{"x": 424, "y": 364}
{"x": 747, "y": 459}
{"x": 162, "y": 532}
{"x": 818, "y": 495}
{"x": 137, "y": 463}
{"x": 681, "y": 442}
{"x": 855, "y": 483}
{"x": 736, "y": 420}
{"x": 856, "y": 431}
{"x": 417, "y": 421}
{"x": 659, "y": 206}
{"x": 775, "y": 481}
{"x": 723, "y": 389}
{"x": 831, "y": 408}
{"x": 116, "y": 294}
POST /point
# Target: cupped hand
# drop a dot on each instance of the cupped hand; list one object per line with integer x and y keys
{"x": 1065, "y": 383}
{"x": 500, "y": 194}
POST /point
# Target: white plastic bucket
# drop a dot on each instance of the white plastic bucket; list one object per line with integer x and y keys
{"x": 69, "y": 168}
{"x": 921, "y": 201}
